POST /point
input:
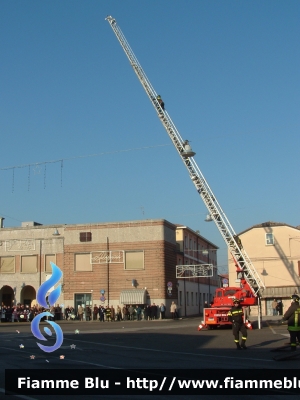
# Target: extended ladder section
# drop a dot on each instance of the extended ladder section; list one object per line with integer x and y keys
{"x": 241, "y": 259}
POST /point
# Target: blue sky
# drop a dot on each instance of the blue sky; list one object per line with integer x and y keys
{"x": 228, "y": 72}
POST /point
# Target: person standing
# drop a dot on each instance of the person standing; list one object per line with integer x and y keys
{"x": 95, "y": 312}
{"x": 274, "y": 307}
{"x": 131, "y": 312}
{"x": 108, "y": 313}
{"x": 67, "y": 313}
{"x": 80, "y": 313}
{"x": 57, "y": 312}
{"x": 162, "y": 311}
{"x": 112, "y": 313}
{"x": 146, "y": 312}
{"x": 119, "y": 313}
{"x": 138, "y": 311}
{"x": 235, "y": 315}
{"x": 14, "y": 315}
{"x": 292, "y": 315}
{"x": 280, "y": 307}
{"x": 88, "y": 313}
{"x": 125, "y": 313}
{"x": 101, "y": 313}
{"x": 173, "y": 310}
{"x": 31, "y": 315}
{"x": 153, "y": 311}
{"x": 3, "y": 312}
{"x": 149, "y": 312}
{"x": 8, "y": 314}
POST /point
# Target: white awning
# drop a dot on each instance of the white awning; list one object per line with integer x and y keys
{"x": 133, "y": 296}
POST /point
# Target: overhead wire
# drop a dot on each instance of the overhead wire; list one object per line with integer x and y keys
{"x": 61, "y": 160}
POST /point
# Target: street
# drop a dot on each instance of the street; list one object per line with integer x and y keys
{"x": 161, "y": 344}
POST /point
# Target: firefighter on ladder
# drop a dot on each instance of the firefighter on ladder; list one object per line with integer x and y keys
{"x": 235, "y": 315}
{"x": 162, "y": 104}
{"x": 292, "y": 315}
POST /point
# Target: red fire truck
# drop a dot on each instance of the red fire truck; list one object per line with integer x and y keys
{"x": 217, "y": 315}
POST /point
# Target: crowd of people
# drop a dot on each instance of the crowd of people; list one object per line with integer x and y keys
{"x": 25, "y": 313}
{"x": 118, "y": 313}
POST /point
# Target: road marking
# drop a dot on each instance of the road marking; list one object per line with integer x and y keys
{"x": 127, "y": 328}
{"x": 273, "y": 331}
{"x": 146, "y": 349}
{"x": 9, "y": 348}
{"x": 165, "y": 351}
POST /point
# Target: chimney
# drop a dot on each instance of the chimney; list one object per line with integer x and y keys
{"x": 1, "y": 222}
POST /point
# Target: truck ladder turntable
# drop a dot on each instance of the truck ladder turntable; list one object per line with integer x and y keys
{"x": 241, "y": 259}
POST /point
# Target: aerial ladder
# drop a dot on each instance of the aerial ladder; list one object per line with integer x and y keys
{"x": 244, "y": 266}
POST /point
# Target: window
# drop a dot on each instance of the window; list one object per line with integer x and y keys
{"x": 229, "y": 292}
{"x": 196, "y": 298}
{"x": 82, "y": 262}
{"x": 192, "y": 298}
{"x": 187, "y": 298}
{"x": 269, "y": 239}
{"x": 48, "y": 258}
{"x": 134, "y": 260}
{"x": 180, "y": 298}
{"x": 29, "y": 264}
{"x": 85, "y": 236}
{"x": 7, "y": 265}
{"x": 186, "y": 242}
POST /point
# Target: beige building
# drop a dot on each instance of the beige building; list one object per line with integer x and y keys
{"x": 274, "y": 249}
{"x": 114, "y": 263}
{"x": 25, "y": 256}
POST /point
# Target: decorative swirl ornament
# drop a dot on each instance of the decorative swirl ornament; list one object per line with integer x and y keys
{"x": 42, "y": 300}
{"x": 54, "y": 295}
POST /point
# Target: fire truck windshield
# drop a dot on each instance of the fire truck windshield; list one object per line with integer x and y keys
{"x": 229, "y": 292}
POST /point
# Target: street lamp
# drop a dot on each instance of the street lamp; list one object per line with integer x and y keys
{"x": 208, "y": 218}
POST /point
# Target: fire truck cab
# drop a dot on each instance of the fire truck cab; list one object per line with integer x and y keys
{"x": 217, "y": 315}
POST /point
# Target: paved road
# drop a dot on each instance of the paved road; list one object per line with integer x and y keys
{"x": 142, "y": 344}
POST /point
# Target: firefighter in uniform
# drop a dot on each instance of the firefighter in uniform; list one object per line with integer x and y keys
{"x": 236, "y": 315}
{"x": 162, "y": 104}
{"x": 292, "y": 316}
